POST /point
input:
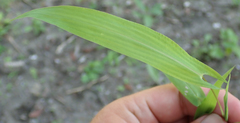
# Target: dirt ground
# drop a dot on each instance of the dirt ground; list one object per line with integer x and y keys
{"x": 42, "y": 67}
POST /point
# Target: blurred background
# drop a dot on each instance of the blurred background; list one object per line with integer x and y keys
{"x": 48, "y": 75}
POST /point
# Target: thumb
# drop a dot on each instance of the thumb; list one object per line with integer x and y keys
{"x": 212, "y": 118}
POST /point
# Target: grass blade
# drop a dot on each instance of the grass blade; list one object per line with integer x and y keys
{"x": 193, "y": 93}
{"x": 226, "y": 100}
{"x": 153, "y": 72}
{"x": 128, "y": 38}
{"x": 210, "y": 102}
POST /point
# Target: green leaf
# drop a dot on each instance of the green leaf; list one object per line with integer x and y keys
{"x": 209, "y": 103}
{"x": 148, "y": 21}
{"x": 157, "y": 9}
{"x": 226, "y": 100}
{"x": 128, "y": 38}
{"x": 121, "y": 88}
{"x": 2, "y": 49}
{"x": 153, "y": 72}
{"x": 228, "y": 35}
{"x": 196, "y": 43}
{"x": 85, "y": 78}
{"x": 137, "y": 15}
{"x": 34, "y": 73}
{"x": 207, "y": 38}
{"x": 140, "y": 5}
{"x": 216, "y": 51}
{"x": 193, "y": 93}
{"x": 1, "y": 16}
{"x": 237, "y": 51}
{"x": 236, "y": 2}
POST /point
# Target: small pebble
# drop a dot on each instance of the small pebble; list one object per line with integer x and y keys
{"x": 23, "y": 117}
{"x": 164, "y": 6}
{"x": 33, "y": 57}
{"x": 238, "y": 67}
{"x": 128, "y": 2}
{"x": 186, "y": 4}
{"x": 82, "y": 59}
{"x": 57, "y": 61}
{"x": 216, "y": 25}
{"x": 139, "y": 86}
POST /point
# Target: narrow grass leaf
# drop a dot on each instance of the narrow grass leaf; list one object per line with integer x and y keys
{"x": 153, "y": 72}
{"x": 226, "y": 100}
{"x": 128, "y": 38}
{"x": 210, "y": 102}
{"x": 193, "y": 93}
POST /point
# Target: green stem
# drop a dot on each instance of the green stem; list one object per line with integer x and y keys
{"x": 223, "y": 114}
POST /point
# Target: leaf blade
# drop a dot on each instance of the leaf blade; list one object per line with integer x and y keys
{"x": 210, "y": 102}
{"x": 154, "y": 73}
{"x": 226, "y": 99}
{"x": 193, "y": 93}
{"x": 142, "y": 43}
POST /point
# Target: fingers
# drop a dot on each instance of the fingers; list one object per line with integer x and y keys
{"x": 233, "y": 106}
{"x": 212, "y": 118}
{"x": 168, "y": 105}
{"x": 159, "y": 104}
{"x": 165, "y": 103}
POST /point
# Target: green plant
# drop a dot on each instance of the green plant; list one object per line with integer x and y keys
{"x": 147, "y": 14}
{"x": 209, "y": 103}
{"x": 21, "y": 57}
{"x": 93, "y": 5}
{"x": 136, "y": 41}
{"x": 12, "y": 74}
{"x": 207, "y": 49}
{"x": 9, "y": 86}
{"x": 2, "y": 49}
{"x": 5, "y": 4}
{"x": 78, "y": 1}
{"x": 125, "y": 80}
{"x": 153, "y": 72}
{"x": 230, "y": 42}
{"x": 7, "y": 59}
{"x": 92, "y": 71}
{"x": 111, "y": 58}
{"x": 130, "y": 61}
{"x": 4, "y": 25}
{"x": 37, "y": 27}
{"x": 235, "y": 2}
{"x": 121, "y": 88}
{"x": 33, "y": 72}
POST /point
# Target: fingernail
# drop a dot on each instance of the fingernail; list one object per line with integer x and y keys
{"x": 213, "y": 118}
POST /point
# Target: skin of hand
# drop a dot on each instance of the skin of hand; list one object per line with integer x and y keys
{"x": 163, "y": 104}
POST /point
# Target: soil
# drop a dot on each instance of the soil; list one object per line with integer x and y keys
{"x": 38, "y": 79}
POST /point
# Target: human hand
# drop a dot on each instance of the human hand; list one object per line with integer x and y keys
{"x": 162, "y": 104}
